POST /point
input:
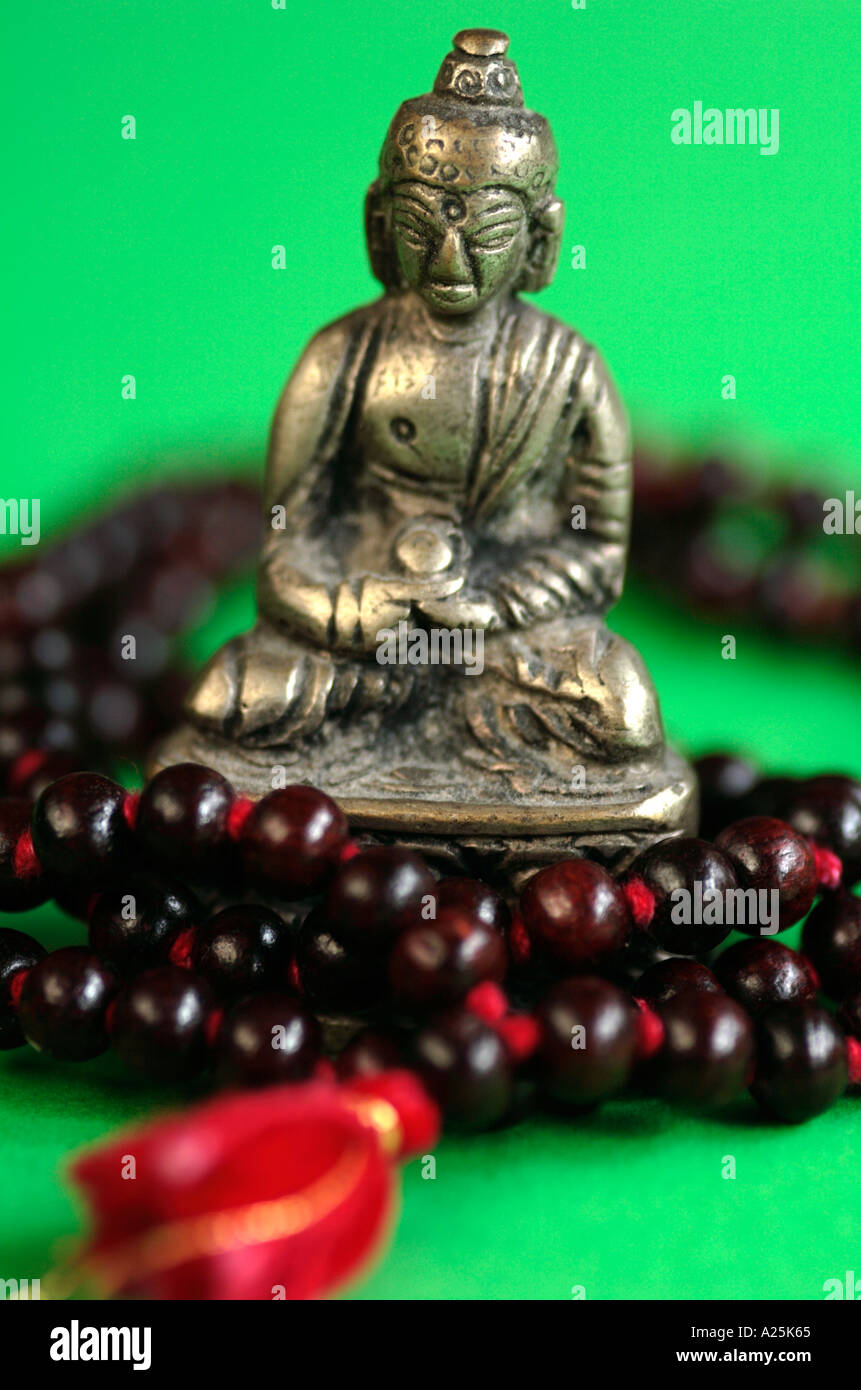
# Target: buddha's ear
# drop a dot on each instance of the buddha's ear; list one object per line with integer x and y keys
{"x": 378, "y": 235}
{"x": 544, "y": 242}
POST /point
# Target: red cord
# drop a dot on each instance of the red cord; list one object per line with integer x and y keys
{"x": 25, "y": 861}
{"x": 829, "y": 866}
{"x": 131, "y": 801}
{"x": 641, "y": 900}
{"x": 238, "y": 815}
{"x": 650, "y": 1030}
{"x": 853, "y": 1057}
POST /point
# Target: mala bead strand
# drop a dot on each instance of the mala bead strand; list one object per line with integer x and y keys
{"x": 385, "y": 937}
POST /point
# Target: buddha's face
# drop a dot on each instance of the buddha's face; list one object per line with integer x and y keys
{"x": 458, "y": 250}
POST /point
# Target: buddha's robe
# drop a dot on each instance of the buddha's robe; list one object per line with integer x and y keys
{"x": 545, "y": 432}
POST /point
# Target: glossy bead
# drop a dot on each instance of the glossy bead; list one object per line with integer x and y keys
{"x": 831, "y": 937}
{"x": 17, "y": 894}
{"x": 465, "y": 1067}
{"x": 377, "y": 893}
{"x": 158, "y": 1023}
{"x": 761, "y": 973}
{"x": 707, "y": 1049}
{"x": 476, "y": 899}
{"x": 64, "y": 1003}
{"x": 267, "y": 1039}
{"x": 183, "y": 821}
{"x": 691, "y": 867}
{"x": 575, "y": 912}
{"x": 79, "y": 828}
{"x": 768, "y": 854}
{"x": 18, "y": 952}
{"x": 676, "y": 975}
{"x": 369, "y": 1053}
{"x": 242, "y": 949}
{"x": 437, "y": 962}
{"x": 291, "y": 840}
{"x": 338, "y": 975}
{"x": 828, "y": 811}
{"x": 588, "y": 1040}
{"x": 134, "y": 924}
{"x": 801, "y": 1066}
{"x": 723, "y": 780}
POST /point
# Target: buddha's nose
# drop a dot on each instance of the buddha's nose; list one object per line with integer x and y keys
{"x": 450, "y": 265}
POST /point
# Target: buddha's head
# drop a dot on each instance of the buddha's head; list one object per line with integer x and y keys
{"x": 463, "y": 209}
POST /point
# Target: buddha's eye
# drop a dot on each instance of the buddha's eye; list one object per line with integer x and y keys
{"x": 497, "y": 237}
{"x": 410, "y": 235}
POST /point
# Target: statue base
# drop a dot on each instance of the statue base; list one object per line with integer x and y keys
{"x": 493, "y": 823}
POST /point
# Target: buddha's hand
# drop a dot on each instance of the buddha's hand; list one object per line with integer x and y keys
{"x": 463, "y": 610}
{"x": 364, "y": 607}
{"x": 542, "y": 587}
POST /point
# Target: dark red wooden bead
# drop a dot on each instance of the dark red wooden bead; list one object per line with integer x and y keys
{"x": 17, "y": 894}
{"x": 588, "y": 1040}
{"x": 182, "y": 819}
{"x": 831, "y": 937}
{"x": 575, "y": 912}
{"x": 760, "y": 973}
{"x": 827, "y": 810}
{"x": 291, "y": 840}
{"x": 723, "y": 780}
{"x": 676, "y": 975}
{"x": 437, "y": 962}
{"x": 707, "y": 1049}
{"x": 158, "y": 1024}
{"x": 338, "y": 975}
{"x": 267, "y": 1039}
{"x": 18, "y": 952}
{"x": 768, "y": 854}
{"x": 369, "y": 1053}
{"x": 64, "y": 1003}
{"x": 242, "y": 950}
{"x": 377, "y": 893}
{"x": 476, "y": 899}
{"x": 672, "y": 869}
{"x": 134, "y": 924}
{"x": 80, "y": 832}
{"x": 465, "y": 1066}
{"x": 801, "y": 1066}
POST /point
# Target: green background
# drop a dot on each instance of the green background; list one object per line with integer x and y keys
{"x": 258, "y": 126}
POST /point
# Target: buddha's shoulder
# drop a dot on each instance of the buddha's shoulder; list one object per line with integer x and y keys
{"x": 346, "y": 332}
{"x": 532, "y": 321}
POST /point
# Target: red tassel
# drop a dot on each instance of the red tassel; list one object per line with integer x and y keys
{"x": 280, "y": 1193}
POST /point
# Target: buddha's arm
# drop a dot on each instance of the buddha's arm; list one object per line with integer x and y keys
{"x": 583, "y": 568}
{"x": 301, "y": 583}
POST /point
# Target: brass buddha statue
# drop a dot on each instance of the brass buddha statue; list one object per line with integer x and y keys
{"x": 447, "y": 501}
